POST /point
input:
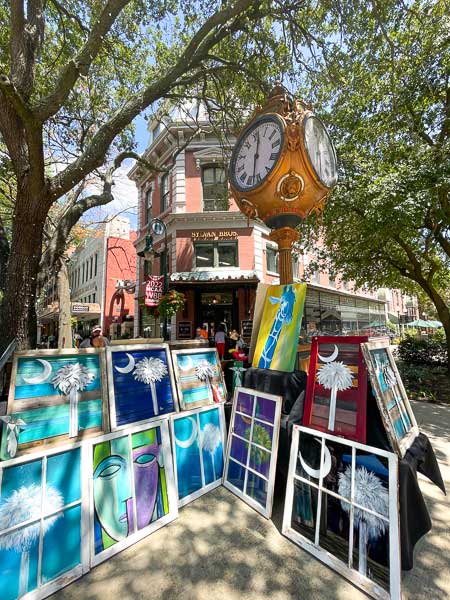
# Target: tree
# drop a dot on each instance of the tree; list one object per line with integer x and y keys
{"x": 382, "y": 80}
{"x": 74, "y": 75}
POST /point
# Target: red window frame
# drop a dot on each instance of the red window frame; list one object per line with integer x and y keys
{"x": 314, "y": 412}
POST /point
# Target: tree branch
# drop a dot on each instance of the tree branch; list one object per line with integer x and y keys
{"x": 80, "y": 65}
{"x": 16, "y": 101}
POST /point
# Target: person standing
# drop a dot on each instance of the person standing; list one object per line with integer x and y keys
{"x": 96, "y": 339}
{"x": 219, "y": 340}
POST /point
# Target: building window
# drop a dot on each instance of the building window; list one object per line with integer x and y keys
{"x": 148, "y": 205}
{"x": 216, "y": 254}
{"x": 93, "y": 298}
{"x": 91, "y": 262}
{"x": 165, "y": 192}
{"x": 331, "y": 279}
{"x": 215, "y": 190}
{"x": 82, "y": 276}
{"x": 95, "y": 264}
{"x": 272, "y": 259}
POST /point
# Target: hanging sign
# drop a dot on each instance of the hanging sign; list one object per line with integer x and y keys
{"x": 153, "y": 290}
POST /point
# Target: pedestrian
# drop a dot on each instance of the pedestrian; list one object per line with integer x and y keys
{"x": 219, "y": 340}
{"x": 198, "y": 334}
{"x": 96, "y": 339}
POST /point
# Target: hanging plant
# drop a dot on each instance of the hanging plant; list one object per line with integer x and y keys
{"x": 171, "y": 303}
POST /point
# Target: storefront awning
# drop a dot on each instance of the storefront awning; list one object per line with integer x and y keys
{"x": 83, "y": 311}
{"x": 214, "y": 276}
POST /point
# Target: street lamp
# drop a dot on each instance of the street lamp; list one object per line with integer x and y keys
{"x": 158, "y": 227}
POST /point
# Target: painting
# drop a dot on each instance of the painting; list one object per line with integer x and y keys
{"x": 132, "y": 487}
{"x": 392, "y": 400}
{"x": 55, "y": 396}
{"x": 199, "y": 377}
{"x": 336, "y": 392}
{"x": 253, "y": 447}
{"x": 141, "y": 383}
{"x": 342, "y": 506}
{"x": 198, "y": 442}
{"x": 276, "y": 346}
{"x": 43, "y": 520}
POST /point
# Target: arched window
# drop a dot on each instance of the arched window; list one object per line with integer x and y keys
{"x": 215, "y": 189}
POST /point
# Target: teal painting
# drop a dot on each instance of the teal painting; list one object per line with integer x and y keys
{"x": 56, "y": 396}
{"x": 40, "y": 522}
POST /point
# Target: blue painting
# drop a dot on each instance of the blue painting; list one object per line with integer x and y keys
{"x": 45, "y": 493}
{"x": 200, "y": 377}
{"x": 141, "y": 384}
{"x": 198, "y": 448}
{"x": 54, "y": 395}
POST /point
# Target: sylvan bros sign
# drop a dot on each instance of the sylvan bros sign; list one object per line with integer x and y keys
{"x": 153, "y": 290}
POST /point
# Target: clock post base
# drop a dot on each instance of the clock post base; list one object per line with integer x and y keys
{"x": 285, "y": 237}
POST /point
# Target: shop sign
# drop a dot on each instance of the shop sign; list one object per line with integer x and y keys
{"x": 80, "y": 308}
{"x": 246, "y": 328}
{"x": 184, "y": 330}
{"x": 153, "y": 290}
{"x": 214, "y": 235}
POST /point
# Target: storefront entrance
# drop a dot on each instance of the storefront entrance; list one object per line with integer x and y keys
{"x": 215, "y": 308}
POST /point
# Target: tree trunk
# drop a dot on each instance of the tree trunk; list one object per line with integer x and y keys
{"x": 65, "y": 308}
{"x": 17, "y": 310}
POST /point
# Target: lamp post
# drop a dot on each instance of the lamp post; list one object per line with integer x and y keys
{"x": 158, "y": 227}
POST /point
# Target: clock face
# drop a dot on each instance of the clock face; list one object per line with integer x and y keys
{"x": 321, "y": 151}
{"x": 256, "y": 153}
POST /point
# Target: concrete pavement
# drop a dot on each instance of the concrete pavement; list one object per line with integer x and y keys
{"x": 219, "y": 548}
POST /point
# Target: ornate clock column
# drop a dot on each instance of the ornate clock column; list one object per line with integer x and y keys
{"x": 282, "y": 168}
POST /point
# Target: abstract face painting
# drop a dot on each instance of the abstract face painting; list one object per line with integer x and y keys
{"x": 392, "y": 400}
{"x": 132, "y": 487}
{"x": 141, "y": 383}
{"x": 252, "y": 448}
{"x": 342, "y": 506}
{"x": 276, "y": 347}
{"x": 47, "y": 494}
{"x": 198, "y": 448}
{"x": 199, "y": 377}
{"x": 55, "y": 394}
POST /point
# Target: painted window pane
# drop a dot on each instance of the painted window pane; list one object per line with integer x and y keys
{"x": 260, "y": 460}
{"x": 66, "y": 528}
{"x": 236, "y": 475}
{"x": 265, "y": 410}
{"x": 262, "y": 434}
{"x": 257, "y": 488}
{"x": 239, "y": 450}
{"x": 244, "y": 403}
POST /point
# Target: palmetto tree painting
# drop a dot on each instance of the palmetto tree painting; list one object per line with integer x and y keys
{"x": 24, "y": 505}
{"x": 149, "y": 371}
{"x": 211, "y": 440}
{"x": 334, "y": 376}
{"x": 70, "y": 380}
{"x": 370, "y": 493}
{"x": 205, "y": 371}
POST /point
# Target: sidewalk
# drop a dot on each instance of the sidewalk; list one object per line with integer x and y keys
{"x": 221, "y": 549}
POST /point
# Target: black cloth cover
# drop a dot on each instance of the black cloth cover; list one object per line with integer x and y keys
{"x": 414, "y": 518}
{"x": 287, "y": 385}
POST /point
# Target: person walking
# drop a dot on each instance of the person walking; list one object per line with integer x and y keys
{"x": 219, "y": 340}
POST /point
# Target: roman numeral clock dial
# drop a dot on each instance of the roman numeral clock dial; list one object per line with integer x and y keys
{"x": 257, "y": 153}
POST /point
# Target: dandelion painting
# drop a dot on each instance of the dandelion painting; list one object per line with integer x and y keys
{"x": 56, "y": 395}
{"x": 141, "y": 383}
{"x": 133, "y": 491}
{"x": 199, "y": 377}
{"x": 40, "y": 523}
{"x": 336, "y": 392}
{"x": 342, "y": 506}
{"x": 252, "y": 448}
{"x": 198, "y": 448}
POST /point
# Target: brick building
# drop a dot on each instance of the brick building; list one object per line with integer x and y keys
{"x": 215, "y": 256}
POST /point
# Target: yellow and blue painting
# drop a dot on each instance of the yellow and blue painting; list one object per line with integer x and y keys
{"x": 44, "y": 493}
{"x": 129, "y": 485}
{"x": 200, "y": 378}
{"x": 198, "y": 451}
{"x": 276, "y": 347}
{"x": 54, "y": 395}
{"x": 141, "y": 385}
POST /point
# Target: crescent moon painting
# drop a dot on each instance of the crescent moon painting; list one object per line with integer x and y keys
{"x": 327, "y": 359}
{"x": 315, "y": 473}
{"x": 42, "y": 376}
{"x": 129, "y": 367}
{"x": 191, "y": 439}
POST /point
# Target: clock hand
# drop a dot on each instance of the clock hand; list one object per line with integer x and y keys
{"x": 256, "y": 156}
